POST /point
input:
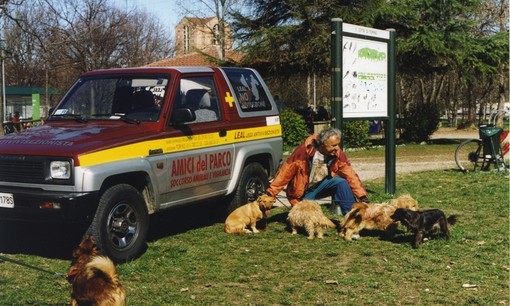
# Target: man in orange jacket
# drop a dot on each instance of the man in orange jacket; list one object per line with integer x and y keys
{"x": 318, "y": 168}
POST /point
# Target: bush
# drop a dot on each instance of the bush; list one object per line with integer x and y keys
{"x": 419, "y": 122}
{"x": 293, "y": 128}
{"x": 355, "y": 133}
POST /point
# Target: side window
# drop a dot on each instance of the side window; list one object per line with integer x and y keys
{"x": 248, "y": 89}
{"x": 199, "y": 95}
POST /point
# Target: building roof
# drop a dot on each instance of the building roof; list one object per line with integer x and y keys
{"x": 27, "y": 91}
{"x": 206, "y": 57}
{"x": 196, "y": 20}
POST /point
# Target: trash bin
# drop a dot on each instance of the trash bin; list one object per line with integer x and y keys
{"x": 490, "y": 136}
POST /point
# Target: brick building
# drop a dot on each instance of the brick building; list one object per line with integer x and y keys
{"x": 197, "y": 44}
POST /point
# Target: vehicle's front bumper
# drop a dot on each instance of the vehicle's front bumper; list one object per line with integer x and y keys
{"x": 49, "y": 206}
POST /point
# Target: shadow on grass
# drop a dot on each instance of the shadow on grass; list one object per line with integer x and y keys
{"x": 182, "y": 219}
{"x": 59, "y": 240}
{"x": 45, "y": 240}
{"x": 400, "y": 237}
{"x": 446, "y": 141}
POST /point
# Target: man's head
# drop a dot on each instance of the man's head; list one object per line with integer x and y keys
{"x": 328, "y": 141}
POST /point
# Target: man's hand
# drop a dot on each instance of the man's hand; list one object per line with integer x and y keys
{"x": 364, "y": 199}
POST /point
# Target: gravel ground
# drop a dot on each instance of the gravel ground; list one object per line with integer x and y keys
{"x": 372, "y": 169}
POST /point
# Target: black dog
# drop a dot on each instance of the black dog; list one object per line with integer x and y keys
{"x": 424, "y": 222}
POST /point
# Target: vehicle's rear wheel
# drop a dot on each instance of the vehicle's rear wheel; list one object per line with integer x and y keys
{"x": 121, "y": 223}
{"x": 252, "y": 183}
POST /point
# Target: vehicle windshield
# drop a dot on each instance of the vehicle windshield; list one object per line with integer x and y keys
{"x": 132, "y": 98}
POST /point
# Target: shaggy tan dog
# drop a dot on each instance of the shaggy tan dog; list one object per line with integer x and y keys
{"x": 248, "y": 215}
{"x": 374, "y": 217}
{"x": 308, "y": 214}
{"x": 93, "y": 278}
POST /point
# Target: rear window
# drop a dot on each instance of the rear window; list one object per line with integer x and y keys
{"x": 248, "y": 89}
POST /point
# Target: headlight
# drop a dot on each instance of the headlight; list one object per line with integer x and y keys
{"x": 60, "y": 170}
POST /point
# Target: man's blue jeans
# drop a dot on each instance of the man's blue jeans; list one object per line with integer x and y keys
{"x": 336, "y": 187}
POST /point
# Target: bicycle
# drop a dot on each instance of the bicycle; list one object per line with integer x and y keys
{"x": 480, "y": 154}
{"x": 8, "y": 127}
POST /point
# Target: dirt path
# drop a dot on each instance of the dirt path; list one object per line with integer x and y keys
{"x": 375, "y": 168}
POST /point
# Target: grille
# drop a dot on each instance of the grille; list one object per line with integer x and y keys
{"x": 27, "y": 169}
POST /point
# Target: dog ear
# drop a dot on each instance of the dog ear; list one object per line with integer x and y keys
{"x": 397, "y": 215}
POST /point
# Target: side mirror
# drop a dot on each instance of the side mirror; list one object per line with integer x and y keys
{"x": 181, "y": 116}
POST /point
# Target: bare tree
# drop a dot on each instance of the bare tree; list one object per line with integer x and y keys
{"x": 53, "y": 41}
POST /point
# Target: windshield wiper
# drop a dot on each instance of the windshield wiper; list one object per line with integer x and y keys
{"x": 125, "y": 118}
{"x": 76, "y": 117}
{"x": 120, "y": 116}
{"x": 102, "y": 115}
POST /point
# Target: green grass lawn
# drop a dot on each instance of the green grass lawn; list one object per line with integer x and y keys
{"x": 191, "y": 261}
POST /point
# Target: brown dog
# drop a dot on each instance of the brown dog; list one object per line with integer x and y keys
{"x": 374, "y": 217}
{"x": 248, "y": 215}
{"x": 308, "y": 214}
{"x": 93, "y": 278}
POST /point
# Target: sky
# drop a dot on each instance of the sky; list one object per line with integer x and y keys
{"x": 167, "y": 11}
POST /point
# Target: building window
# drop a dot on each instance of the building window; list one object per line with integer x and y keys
{"x": 186, "y": 39}
{"x": 216, "y": 35}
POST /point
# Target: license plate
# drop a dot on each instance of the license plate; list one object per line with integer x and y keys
{"x": 6, "y": 200}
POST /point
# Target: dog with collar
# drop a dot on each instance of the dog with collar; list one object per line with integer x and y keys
{"x": 244, "y": 218}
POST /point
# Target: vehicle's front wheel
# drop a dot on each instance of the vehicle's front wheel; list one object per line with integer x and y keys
{"x": 121, "y": 223}
{"x": 252, "y": 183}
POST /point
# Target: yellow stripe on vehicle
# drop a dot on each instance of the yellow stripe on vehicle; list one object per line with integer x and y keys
{"x": 177, "y": 144}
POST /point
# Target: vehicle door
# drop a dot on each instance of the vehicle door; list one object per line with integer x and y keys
{"x": 200, "y": 158}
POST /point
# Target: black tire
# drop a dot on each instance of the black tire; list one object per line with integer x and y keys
{"x": 252, "y": 183}
{"x": 469, "y": 155}
{"x": 121, "y": 223}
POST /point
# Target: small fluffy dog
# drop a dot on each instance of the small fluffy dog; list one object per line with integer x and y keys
{"x": 308, "y": 214}
{"x": 374, "y": 217}
{"x": 93, "y": 278}
{"x": 425, "y": 222}
{"x": 248, "y": 215}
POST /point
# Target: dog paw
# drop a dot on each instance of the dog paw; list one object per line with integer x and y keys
{"x": 355, "y": 236}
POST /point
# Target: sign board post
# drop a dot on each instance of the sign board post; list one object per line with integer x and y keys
{"x": 363, "y": 81}
{"x": 36, "y": 106}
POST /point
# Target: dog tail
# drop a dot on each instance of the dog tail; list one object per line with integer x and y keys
{"x": 452, "y": 219}
{"x": 104, "y": 267}
{"x": 353, "y": 215}
{"x": 327, "y": 222}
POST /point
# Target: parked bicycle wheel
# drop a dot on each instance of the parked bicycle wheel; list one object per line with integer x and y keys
{"x": 469, "y": 155}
